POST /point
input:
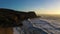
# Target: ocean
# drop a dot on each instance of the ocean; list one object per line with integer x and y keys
{"x": 49, "y": 24}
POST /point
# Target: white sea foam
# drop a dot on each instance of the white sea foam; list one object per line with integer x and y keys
{"x": 49, "y": 26}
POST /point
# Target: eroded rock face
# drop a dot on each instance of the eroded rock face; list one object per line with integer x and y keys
{"x": 31, "y": 14}
{"x": 12, "y": 18}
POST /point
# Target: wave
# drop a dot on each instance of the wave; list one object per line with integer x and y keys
{"x": 49, "y": 26}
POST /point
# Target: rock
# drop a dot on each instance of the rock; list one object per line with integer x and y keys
{"x": 13, "y": 18}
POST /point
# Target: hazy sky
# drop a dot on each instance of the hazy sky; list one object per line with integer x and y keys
{"x": 39, "y": 6}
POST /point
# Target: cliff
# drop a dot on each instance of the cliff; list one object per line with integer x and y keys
{"x": 13, "y": 18}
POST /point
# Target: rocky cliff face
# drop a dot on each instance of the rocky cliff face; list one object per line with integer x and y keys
{"x": 12, "y": 18}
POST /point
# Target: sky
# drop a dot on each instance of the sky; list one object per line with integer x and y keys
{"x": 39, "y": 6}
